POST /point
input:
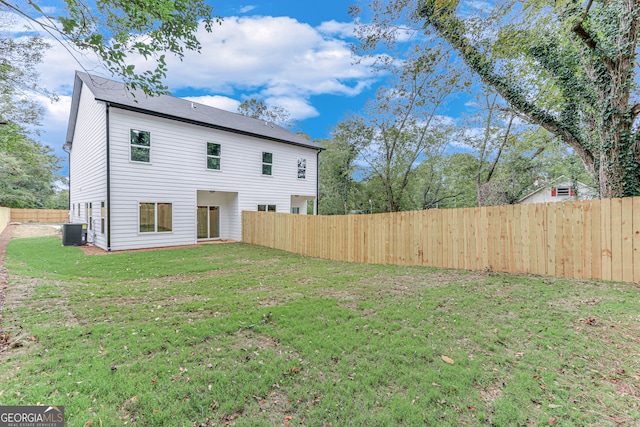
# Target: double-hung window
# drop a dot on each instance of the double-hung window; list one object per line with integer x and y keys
{"x": 302, "y": 168}
{"x": 213, "y": 156}
{"x": 267, "y": 163}
{"x": 102, "y": 217}
{"x": 140, "y": 146}
{"x": 155, "y": 217}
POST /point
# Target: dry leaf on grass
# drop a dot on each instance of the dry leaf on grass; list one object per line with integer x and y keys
{"x": 447, "y": 360}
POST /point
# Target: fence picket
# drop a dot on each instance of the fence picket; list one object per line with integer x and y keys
{"x": 627, "y": 239}
{"x": 587, "y": 233}
{"x": 550, "y": 212}
{"x": 596, "y": 240}
{"x": 616, "y": 239}
{"x": 576, "y": 239}
{"x": 636, "y": 239}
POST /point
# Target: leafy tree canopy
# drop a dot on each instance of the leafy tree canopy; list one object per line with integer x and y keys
{"x": 19, "y": 77}
{"x": 26, "y": 169}
{"x": 567, "y": 66}
{"x": 257, "y": 109}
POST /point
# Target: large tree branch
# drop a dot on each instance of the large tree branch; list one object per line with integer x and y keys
{"x": 584, "y": 35}
{"x": 452, "y": 30}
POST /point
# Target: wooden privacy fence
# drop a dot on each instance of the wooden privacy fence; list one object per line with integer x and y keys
{"x": 592, "y": 239}
{"x": 39, "y": 215}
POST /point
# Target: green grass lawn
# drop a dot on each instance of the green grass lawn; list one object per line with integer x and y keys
{"x": 242, "y": 335}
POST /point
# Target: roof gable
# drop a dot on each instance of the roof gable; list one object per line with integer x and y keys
{"x": 166, "y": 106}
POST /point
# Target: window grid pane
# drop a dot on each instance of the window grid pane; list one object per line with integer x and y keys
{"x": 140, "y": 154}
{"x": 213, "y": 149}
{"x": 266, "y": 169}
{"x": 140, "y": 137}
{"x": 140, "y": 146}
{"x": 164, "y": 217}
{"x": 147, "y": 218}
{"x": 213, "y": 163}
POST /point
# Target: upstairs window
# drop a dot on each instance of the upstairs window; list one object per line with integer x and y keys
{"x": 140, "y": 146}
{"x": 213, "y": 156}
{"x": 267, "y": 163}
{"x": 302, "y": 168}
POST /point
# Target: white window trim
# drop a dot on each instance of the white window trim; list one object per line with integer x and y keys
{"x": 206, "y": 152}
{"x": 262, "y": 163}
{"x": 103, "y": 219}
{"x": 138, "y": 162}
{"x": 155, "y": 218}
{"x": 298, "y": 168}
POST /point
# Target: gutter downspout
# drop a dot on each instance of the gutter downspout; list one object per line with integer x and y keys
{"x": 317, "y": 181}
{"x": 64, "y": 148}
{"x": 108, "y": 183}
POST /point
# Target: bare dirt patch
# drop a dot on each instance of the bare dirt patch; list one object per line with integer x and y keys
{"x": 21, "y": 294}
{"x": 36, "y": 230}
{"x": 90, "y": 249}
{"x": 250, "y": 340}
{"x": 17, "y": 231}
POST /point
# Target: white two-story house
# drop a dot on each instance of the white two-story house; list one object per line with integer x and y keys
{"x": 163, "y": 171}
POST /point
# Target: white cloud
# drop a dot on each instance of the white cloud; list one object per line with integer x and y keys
{"x": 222, "y": 102}
{"x": 248, "y": 8}
{"x": 271, "y": 57}
{"x": 54, "y": 124}
{"x": 343, "y": 29}
{"x": 299, "y": 108}
{"x": 57, "y": 112}
{"x": 277, "y": 59}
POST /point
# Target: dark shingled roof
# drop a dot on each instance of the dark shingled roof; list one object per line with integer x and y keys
{"x": 115, "y": 94}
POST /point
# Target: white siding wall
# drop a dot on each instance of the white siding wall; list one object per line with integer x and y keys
{"x": 87, "y": 165}
{"x": 178, "y": 169}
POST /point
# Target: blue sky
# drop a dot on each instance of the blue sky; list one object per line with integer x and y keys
{"x": 289, "y": 53}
